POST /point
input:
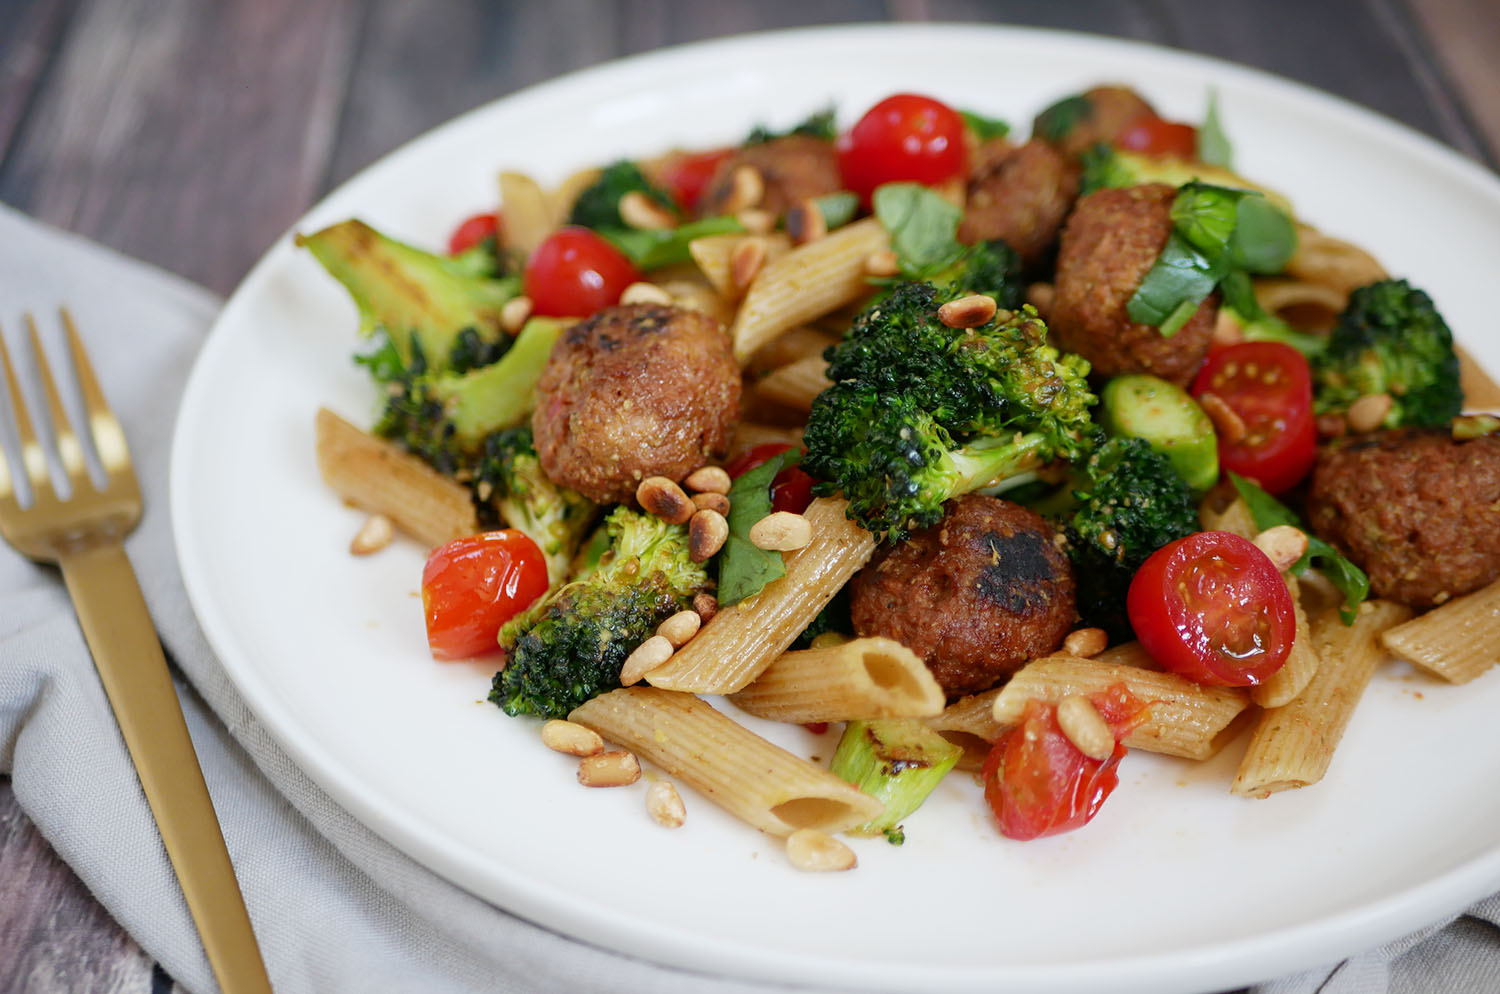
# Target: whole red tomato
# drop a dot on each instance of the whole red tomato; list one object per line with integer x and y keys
{"x": 905, "y": 137}
{"x": 472, "y": 231}
{"x": 1151, "y": 135}
{"x": 576, "y": 272}
{"x": 1268, "y": 387}
{"x": 686, "y": 175}
{"x": 473, "y": 585}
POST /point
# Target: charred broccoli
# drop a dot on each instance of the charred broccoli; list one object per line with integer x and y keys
{"x": 598, "y": 206}
{"x": 509, "y": 484}
{"x": 569, "y": 646}
{"x": 992, "y": 268}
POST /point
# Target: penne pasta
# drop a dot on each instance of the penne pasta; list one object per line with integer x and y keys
{"x": 749, "y": 434}
{"x": 1332, "y": 262}
{"x": 715, "y": 256}
{"x": 1481, "y": 393}
{"x": 862, "y": 678}
{"x": 751, "y": 778}
{"x": 799, "y": 343}
{"x": 1300, "y": 303}
{"x": 1214, "y": 515}
{"x": 969, "y": 723}
{"x": 560, "y": 201}
{"x": 528, "y": 212}
{"x": 1457, "y": 641}
{"x": 795, "y": 385}
{"x": 1301, "y": 663}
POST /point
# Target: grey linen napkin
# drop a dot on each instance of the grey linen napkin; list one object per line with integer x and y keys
{"x": 335, "y": 908}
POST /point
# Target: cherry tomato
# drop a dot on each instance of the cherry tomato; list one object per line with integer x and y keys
{"x": 473, "y": 585}
{"x": 472, "y": 231}
{"x": 791, "y": 490}
{"x": 1269, "y": 388}
{"x": 686, "y": 176}
{"x": 1213, "y": 608}
{"x": 905, "y": 137}
{"x": 576, "y": 272}
{"x": 1151, "y": 135}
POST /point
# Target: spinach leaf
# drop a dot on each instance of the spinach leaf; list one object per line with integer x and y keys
{"x": 922, "y": 225}
{"x": 744, "y": 567}
{"x": 653, "y": 249}
{"x": 838, "y": 209}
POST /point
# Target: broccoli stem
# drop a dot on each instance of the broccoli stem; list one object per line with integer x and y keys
{"x": 990, "y": 463}
{"x": 499, "y": 395}
{"x": 898, "y": 761}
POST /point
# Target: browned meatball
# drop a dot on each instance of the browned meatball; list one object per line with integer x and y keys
{"x": 792, "y": 168}
{"x": 977, "y": 595}
{"x": 1419, "y": 511}
{"x": 1104, "y": 113}
{"x": 1021, "y": 198}
{"x": 1110, "y": 242}
{"x": 635, "y": 391}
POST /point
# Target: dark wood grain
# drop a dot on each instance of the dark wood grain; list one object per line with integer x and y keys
{"x": 29, "y": 38}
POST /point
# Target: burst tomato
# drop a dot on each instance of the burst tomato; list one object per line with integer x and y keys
{"x": 576, "y": 272}
{"x": 1268, "y": 387}
{"x": 791, "y": 490}
{"x": 905, "y": 137}
{"x": 472, "y": 231}
{"x": 473, "y": 585}
{"x": 685, "y": 176}
{"x": 1151, "y": 135}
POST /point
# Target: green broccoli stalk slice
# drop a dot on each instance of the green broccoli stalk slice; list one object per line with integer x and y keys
{"x": 1390, "y": 340}
{"x": 510, "y": 482}
{"x": 897, "y": 761}
{"x": 569, "y": 646}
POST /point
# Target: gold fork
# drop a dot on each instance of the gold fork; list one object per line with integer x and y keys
{"x": 83, "y": 535}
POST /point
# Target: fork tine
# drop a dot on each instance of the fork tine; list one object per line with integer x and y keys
{"x": 69, "y": 452}
{"x": 104, "y": 427}
{"x": 33, "y": 458}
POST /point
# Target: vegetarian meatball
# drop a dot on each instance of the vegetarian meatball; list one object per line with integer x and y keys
{"x": 1021, "y": 197}
{"x": 635, "y": 391}
{"x": 792, "y": 169}
{"x": 1416, "y": 509}
{"x": 977, "y": 595}
{"x": 1098, "y": 115}
{"x": 1110, "y": 242}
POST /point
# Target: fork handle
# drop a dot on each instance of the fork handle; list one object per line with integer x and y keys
{"x": 128, "y": 656}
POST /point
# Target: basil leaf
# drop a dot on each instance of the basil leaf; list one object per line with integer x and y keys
{"x": 1181, "y": 278}
{"x": 744, "y": 567}
{"x": 1264, "y": 237}
{"x": 1206, "y": 216}
{"x": 1213, "y": 144}
{"x": 838, "y": 209}
{"x": 922, "y": 225}
{"x": 653, "y": 249}
{"x": 984, "y": 128}
{"x": 1054, "y": 123}
{"x": 1267, "y": 512}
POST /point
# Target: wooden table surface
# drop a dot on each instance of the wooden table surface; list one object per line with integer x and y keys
{"x": 192, "y": 134}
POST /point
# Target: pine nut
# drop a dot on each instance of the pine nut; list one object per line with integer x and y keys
{"x": 781, "y": 531}
{"x": 1282, "y": 544}
{"x": 571, "y": 738}
{"x": 707, "y": 605}
{"x": 1227, "y": 329}
{"x": 756, "y": 221}
{"x": 1086, "y": 642}
{"x": 818, "y": 852}
{"x": 660, "y": 496}
{"x": 707, "y": 532}
{"x": 1085, "y": 727}
{"x": 747, "y": 188}
{"x": 709, "y": 480}
{"x": 1369, "y": 412}
{"x": 746, "y": 260}
{"x": 680, "y": 628}
{"x": 375, "y": 534}
{"x": 514, "y": 314}
{"x": 1229, "y": 425}
{"x": 642, "y": 292}
{"x": 640, "y": 211}
{"x": 664, "y": 804}
{"x": 882, "y": 262}
{"x": 805, "y": 222}
{"x": 967, "y": 312}
{"x": 711, "y": 502}
{"x": 647, "y": 656}
{"x": 609, "y": 769}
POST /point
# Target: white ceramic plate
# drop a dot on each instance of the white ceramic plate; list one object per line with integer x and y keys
{"x": 1175, "y": 886}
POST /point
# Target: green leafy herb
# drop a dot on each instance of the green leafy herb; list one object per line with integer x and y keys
{"x": 1206, "y": 216}
{"x": 1181, "y": 278}
{"x": 653, "y": 249}
{"x": 1264, "y": 236}
{"x": 922, "y": 225}
{"x": 1213, "y": 143}
{"x": 1268, "y": 512}
{"x": 984, "y": 128}
{"x": 819, "y": 124}
{"x": 838, "y": 209}
{"x": 598, "y": 206}
{"x": 1054, "y": 123}
{"x": 744, "y": 567}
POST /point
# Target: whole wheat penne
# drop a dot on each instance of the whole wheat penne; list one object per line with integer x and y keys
{"x": 751, "y": 778}
{"x": 376, "y": 476}
{"x": 749, "y": 434}
{"x": 799, "y": 343}
{"x": 1292, "y": 745}
{"x": 560, "y": 199}
{"x": 795, "y": 385}
{"x": 744, "y": 638}
{"x": 715, "y": 255}
{"x": 1186, "y": 719}
{"x": 1480, "y": 391}
{"x": 1332, "y": 262}
{"x": 1301, "y": 663}
{"x": 969, "y": 723}
{"x": 1301, "y": 303}
{"x": 862, "y": 678}
{"x": 1457, "y": 641}
{"x": 528, "y": 212}
{"x": 1216, "y": 516}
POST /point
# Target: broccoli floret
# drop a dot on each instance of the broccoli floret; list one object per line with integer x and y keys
{"x": 919, "y": 412}
{"x": 509, "y": 483}
{"x": 598, "y": 206}
{"x": 569, "y": 646}
{"x": 1390, "y": 340}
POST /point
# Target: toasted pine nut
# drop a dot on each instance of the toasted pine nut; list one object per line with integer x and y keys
{"x": 709, "y": 480}
{"x": 609, "y": 769}
{"x": 707, "y": 532}
{"x": 514, "y": 314}
{"x": 642, "y": 292}
{"x": 680, "y": 628}
{"x": 571, "y": 738}
{"x": 640, "y": 211}
{"x": 375, "y": 534}
{"x": 818, "y": 852}
{"x": 647, "y": 656}
{"x": 805, "y": 222}
{"x": 745, "y": 261}
{"x": 756, "y": 221}
{"x": 711, "y": 502}
{"x": 665, "y": 499}
{"x": 1086, "y": 642}
{"x": 707, "y": 605}
{"x": 1227, "y": 329}
{"x": 1229, "y": 425}
{"x": 782, "y": 531}
{"x": 1085, "y": 727}
{"x": 1369, "y": 412}
{"x": 1282, "y": 544}
{"x": 664, "y": 804}
{"x": 967, "y": 312}
{"x": 882, "y": 263}
{"x": 747, "y": 189}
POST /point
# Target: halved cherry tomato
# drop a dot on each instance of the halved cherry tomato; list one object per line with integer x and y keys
{"x": 1268, "y": 386}
{"x": 903, "y": 137}
{"x": 686, "y": 175}
{"x": 576, "y": 272}
{"x": 472, "y": 231}
{"x": 791, "y": 490}
{"x": 1151, "y": 135}
{"x": 1213, "y": 608}
{"x": 473, "y": 585}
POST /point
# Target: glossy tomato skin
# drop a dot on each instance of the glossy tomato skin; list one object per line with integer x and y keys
{"x": 1268, "y": 385}
{"x": 791, "y": 490}
{"x": 472, "y": 231}
{"x": 1037, "y": 783}
{"x": 576, "y": 272}
{"x": 473, "y": 585}
{"x": 1213, "y": 608}
{"x": 905, "y": 137}
{"x": 1152, "y": 135}
{"x": 686, "y": 176}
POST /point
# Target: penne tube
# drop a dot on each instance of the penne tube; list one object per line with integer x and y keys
{"x": 1301, "y": 663}
{"x": 862, "y": 678}
{"x": 560, "y": 201}
{"x": 1480, "y": 391}
{"x": 743, "y": 639}
{"x": 1304, "y": 305}
{"x": 799, "y": 343}
{"x": 795, "y": 385}
{"x": 376, "y": 476}
{"x": 1457, "y": 641}
{"x": 749, "y": 434}
{"x": 751, "y": 778}
{"x": 1292, "y": 745}
{"x": 807, "y": 282}
{"x": 969, "y": 723}
{"x": 714, "y": 255}
{"x": 1186, "y": 719}
{"x": 1332, "y": 262}
{"x": 1216, "y": 516}
{"x": 528, "y": 212}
